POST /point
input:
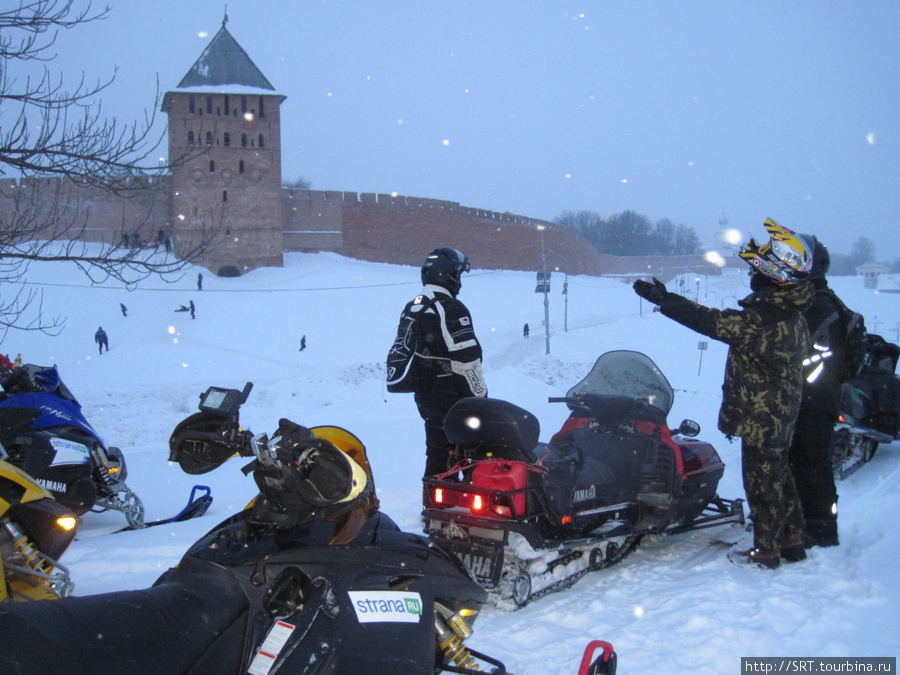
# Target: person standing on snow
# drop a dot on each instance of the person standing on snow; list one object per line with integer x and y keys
{"x": 810, "y": 453}
{"x": 450, "y": 354}
{"x": 767, "y": 341}
{"x": 101, "y": 339}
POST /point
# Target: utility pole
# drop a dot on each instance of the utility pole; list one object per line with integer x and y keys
{"x": 565, "y": 289}
{"x": 546, "y": 290}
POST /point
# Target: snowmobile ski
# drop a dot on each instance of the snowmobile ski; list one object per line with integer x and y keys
{"x": 195, "y": 508}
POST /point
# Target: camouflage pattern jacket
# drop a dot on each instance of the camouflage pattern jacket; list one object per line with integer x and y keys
{"x": 768, "y": 339}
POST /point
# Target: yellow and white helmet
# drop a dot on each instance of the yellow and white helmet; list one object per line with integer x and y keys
{"x": 786, "y": 258}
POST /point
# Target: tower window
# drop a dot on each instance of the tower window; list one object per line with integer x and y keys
{"x": 261, "y": 142}
{"x": 241, "y": 166}
{"x": 224, "y": 195}
{"x": 209, "y": 138}
{"x": 243, "y": 104}
{"x": 212, "y": 166}
{"x": 190, "y": 138}
{"x": 262, "y": 111}
{"x": 227, "y": 107}
{"x": 243, "y": 140}
{"x": 209, "y": 105}
{"x": 227, "y": 139}
{"x": 191, "y": 105}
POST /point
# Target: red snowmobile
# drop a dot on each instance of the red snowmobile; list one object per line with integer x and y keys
{"x": 530, "y": 518}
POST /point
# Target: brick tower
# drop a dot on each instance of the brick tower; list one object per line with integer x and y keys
{"x": 225, "y": 147}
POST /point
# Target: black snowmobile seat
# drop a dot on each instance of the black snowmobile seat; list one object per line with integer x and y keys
{"x": 491, "y": 427}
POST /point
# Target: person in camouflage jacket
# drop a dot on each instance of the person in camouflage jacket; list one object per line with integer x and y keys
{"x": 761, "y": 395}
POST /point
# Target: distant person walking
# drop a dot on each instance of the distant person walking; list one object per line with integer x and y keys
{"x": 525, "y": 330}
{"x": 199, "y": 281}
{"x": 18, "y": 362}
{"x": 124, "y": 309}
{"x": 101, "y": 339}
{"x": 302, "y": 343}
{"x": 192, "y": 309}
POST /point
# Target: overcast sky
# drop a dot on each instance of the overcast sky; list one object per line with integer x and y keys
{"x": 686, "y": 110}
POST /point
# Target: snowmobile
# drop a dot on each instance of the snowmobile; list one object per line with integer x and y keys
{"x": 530, "y": 518}
{"x": 310, "y": 578}
{"x": 35, "y": 530}
{"x": 870, "y": 408}
{"x": 46, "y": 435}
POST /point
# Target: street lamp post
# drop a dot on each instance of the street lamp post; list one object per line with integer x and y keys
{"x": 565, "y": 289}
{"x": 546, "y": 285}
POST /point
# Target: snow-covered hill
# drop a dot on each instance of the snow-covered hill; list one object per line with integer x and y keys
{"x": 675, "y": 605}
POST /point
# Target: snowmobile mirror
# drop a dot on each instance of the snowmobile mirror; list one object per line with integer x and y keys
{"x": 689, "y": 428}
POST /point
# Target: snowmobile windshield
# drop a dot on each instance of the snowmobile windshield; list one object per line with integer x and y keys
{"x": 628, "y": 374}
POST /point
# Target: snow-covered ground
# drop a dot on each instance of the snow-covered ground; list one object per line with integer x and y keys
{"x": 674, "y": 605}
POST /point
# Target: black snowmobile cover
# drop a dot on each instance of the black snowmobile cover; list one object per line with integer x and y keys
{"x": 151, "y": 630}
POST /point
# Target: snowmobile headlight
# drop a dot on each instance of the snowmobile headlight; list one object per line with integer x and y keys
{"x": 67, "y": 522}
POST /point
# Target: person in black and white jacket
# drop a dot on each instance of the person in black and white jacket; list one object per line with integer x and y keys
{"x": 450, "y": 354}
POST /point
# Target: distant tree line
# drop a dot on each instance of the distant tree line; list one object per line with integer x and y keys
{"x": 631, "y": 234}
{"x": 861, "y": 252}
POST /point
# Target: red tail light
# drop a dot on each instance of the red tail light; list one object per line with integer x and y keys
{"x": 477, "y": 503}
{"x": 438, "y": 496}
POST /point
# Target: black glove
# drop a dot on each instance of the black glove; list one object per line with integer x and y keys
{"x": 652, "y": 292}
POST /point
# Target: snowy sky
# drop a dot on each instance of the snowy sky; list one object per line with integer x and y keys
{"x": 688, "y": 111}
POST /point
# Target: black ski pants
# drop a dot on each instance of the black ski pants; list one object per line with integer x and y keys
{"x": 433, "y": 409}
{"x": 811, "y": 464}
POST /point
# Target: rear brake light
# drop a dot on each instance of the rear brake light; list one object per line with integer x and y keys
{"x": 438, "y": 496}
{"x": 477, "y": 503}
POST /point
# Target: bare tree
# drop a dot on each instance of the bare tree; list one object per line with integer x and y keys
{"x": 298, "y": 183}
{"x": 862, "y": 251}
{"x": 55, "y": 141}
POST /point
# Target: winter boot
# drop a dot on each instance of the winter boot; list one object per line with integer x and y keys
{"x": 822, "y": 532}
{"x": 793, "y": 549}
{"x": 763, "y": 558}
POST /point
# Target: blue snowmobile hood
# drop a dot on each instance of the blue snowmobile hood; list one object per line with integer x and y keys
{"x": 55, "y": 411}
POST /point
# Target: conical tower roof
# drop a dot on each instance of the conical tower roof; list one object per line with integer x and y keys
{"x": 224, "y": 62}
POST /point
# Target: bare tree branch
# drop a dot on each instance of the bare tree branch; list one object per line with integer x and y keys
{"x": 55, "y": 147}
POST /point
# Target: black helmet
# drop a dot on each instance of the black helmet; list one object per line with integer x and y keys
{"x": 821, "y": 260}
{"x": 444, "y": 267}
